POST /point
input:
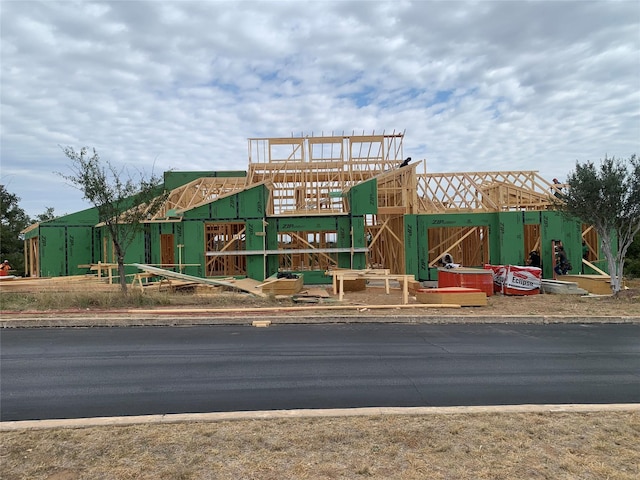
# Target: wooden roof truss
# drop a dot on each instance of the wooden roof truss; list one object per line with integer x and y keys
{"x": 196, "y": 193}
{"x": 483, "y": 191}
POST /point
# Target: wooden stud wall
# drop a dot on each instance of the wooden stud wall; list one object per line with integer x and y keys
{"x": 469, "y": 246}
{"x": 306, "y": 261}
{"x": 220, "y": 237}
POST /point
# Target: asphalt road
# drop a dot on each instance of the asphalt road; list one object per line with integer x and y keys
{"x": 73, "y": 373}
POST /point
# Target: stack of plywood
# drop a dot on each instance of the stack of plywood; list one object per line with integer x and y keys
{"x": 78, "y": 283}
{"x": 561, "y": 288}
{"x": 596, "y": 284}
{"x": 283, "y": 286}
{"x": 463, "y": 296}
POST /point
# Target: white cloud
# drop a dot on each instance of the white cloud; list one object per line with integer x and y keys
{"x": 507, "y": 85}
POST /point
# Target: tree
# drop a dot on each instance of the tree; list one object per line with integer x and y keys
{"x": 47, "y": 215}
{"x": 12, "y": 221}
{"x": 122, "y": 202}
{"x": 632, "y": 261}
{"x": 608, "y": 198}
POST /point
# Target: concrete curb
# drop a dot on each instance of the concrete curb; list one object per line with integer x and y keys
{"x": 131, "y": 320}
{"x": 310, "y": 413}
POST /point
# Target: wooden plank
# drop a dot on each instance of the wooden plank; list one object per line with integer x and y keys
{"x": 465, "y": 297}
{"x": 596, "y": 284}
{"x": 246, "y": 285}
{"x": 591, "y": 265}
{"x": 283, "y": 286}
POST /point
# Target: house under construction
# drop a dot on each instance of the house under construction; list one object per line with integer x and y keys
{"x": 309, "y": 204}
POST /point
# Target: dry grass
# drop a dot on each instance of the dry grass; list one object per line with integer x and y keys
{"x": 625, "y": 304}
{"x": 478, "y": 446}
{"x": 55, "y": 301}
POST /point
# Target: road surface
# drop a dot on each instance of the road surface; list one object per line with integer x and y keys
{"x": 74, "y": 373}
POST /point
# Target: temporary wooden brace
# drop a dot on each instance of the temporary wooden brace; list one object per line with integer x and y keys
{"x": 448, "y": 247}
{"x": 591, "y": 265}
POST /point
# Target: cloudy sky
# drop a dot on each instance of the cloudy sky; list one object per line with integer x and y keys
{"x": 476, "y": 86}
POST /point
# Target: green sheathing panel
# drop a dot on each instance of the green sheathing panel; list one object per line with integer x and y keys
{"x": 96, "y": 255}
{"x": 34, "y": 232}
{"x": 53, "y": 255}
{"x": 255, "y": 239}
{"x": 177, "y": 179}
{"x": 363, "y": 198}
{"x": 79, "y": 249}
{"x": 311, "y": 224}
{"x": 424, "y": 222}
{"x": 511, "y": 238}
{"x": 224, "y": 208}
{"x": 339, "y": 224}
{"x": 411, "y": 240}
{"x": 506, "y": 238}
{"x": 66, "y": 242}
{"x": 84, "y": 217}
{"x": 555, "y": 226}
{"x": 302, "y": 224}
{"x": 532, "y": 218}
{"x": 344, "y": 241}
{"x": 155, "y": 230}
{"x": 250, "y": 203}
{"x": 194, "y": 247}
{"x": 135, "y": 254}
{"x": 272, "y": 244}
{"x": 359, "y": 241}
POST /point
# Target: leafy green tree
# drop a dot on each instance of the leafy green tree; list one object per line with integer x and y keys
{"x": 48, "y": 214}
{"x": 122, "y": 202}
{"x": 607, "y": 197}
{"x": 12, "y": 221}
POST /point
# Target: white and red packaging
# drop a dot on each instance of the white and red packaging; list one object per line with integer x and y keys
{"x": 515, "y": 280}
{"x": 522, "y": 280}
{"x": 499, "y": 276}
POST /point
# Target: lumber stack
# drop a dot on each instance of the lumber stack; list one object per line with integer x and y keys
{"x": 463, "y": 296}
{"x": 561, "y": 288}
{"x": 283, "y": 286}
{"x": 77, "y": 283}
{"x": 596, "y": 284}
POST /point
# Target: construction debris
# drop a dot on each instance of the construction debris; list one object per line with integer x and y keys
{"x": 245, "y": 284}
{"x": 562, "y": 288}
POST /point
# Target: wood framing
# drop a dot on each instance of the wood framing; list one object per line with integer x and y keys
{"x": 468, "y": 246}
{"x": 310, "y": 173}
{"x": 483, "y": 191}
{"x": 196, "y": 193}
{"x": 221, "y": 237}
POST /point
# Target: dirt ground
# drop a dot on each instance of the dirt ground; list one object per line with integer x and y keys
{"x": 627, "y": 303}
